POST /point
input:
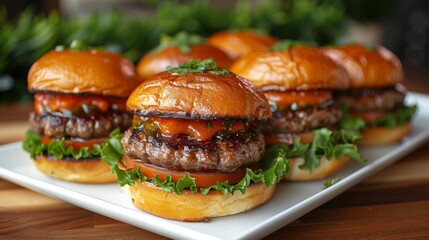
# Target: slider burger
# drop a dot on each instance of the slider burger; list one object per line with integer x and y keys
{"x": 195, "y": 148}
{"x": 181, "y": 48}
{"x": 376, "y": 95}
{"x": 241, "y": 42}
{"x": 79, "y": 98}
{"x": 298, "y": 82}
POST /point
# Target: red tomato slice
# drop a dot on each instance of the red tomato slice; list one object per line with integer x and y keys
{"x": 202, "y": 179}
{"x": 77, "y": 145}
{"x": 56, "y": 102}
{"x": 368, "y": 116}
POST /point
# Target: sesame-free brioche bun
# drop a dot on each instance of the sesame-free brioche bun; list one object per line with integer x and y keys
{"x": 297, "y": 68}
{"x": 93, "y": 71}
{"x": 375, "y": 136}
{"x": 239, "y": 43}
{"x": 83, "y": 171}
{"x": 202, "y": 95}
{"x": 157, "y": 62}
{"x": 193, "y": 207}
{"x": 326, "y": 169}
{"x": 367, "y": 68}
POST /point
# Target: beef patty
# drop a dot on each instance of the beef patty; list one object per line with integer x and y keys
{"x": 180, "y": 153}
{"x": 361, "y": 100}
{"x": 302, "y": 120}
{"x": 97, "y": 125}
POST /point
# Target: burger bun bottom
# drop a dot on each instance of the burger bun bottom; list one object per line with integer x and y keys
{"x": 375, "y": 136}
{"x": 195, "y": 207}
{"x": 83, "y": 171}
{"x": 326, "y": 169}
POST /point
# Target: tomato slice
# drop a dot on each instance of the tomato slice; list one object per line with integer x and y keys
{"x": 369, "y": 116}
{"x": 280, "y": 138}
{"x": 301, "y": 98}
{"x": 77, "y": 144}
{"x": 56, "y": 102}
{"x": 202, "y": 179}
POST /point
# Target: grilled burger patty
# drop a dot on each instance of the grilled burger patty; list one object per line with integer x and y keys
{"x": 371, "y": 99}
{"x": 180, "y": 153}
{"x": 302, "y": 120}
{"x": 97, "y": 125}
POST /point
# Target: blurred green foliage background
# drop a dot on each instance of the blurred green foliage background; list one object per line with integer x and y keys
{"x": 31, "y": 35}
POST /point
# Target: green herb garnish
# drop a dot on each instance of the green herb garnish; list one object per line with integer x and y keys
{"x": 75, "y": 45}
{"x": 286, "y": 44}
{"x": 331, "y": 181}
{"x": 273, "y": 171}
{"x": 198, "y": 66}
{"x": 32, "y": 144}
{"x": 182, "y": 40}
{"x": 370, "y": 47}
{"x": 208, "y": 125}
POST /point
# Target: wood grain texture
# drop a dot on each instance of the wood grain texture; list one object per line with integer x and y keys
{"x": 393, "y": 204}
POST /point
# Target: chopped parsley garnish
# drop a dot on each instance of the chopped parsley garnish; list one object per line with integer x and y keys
{"x": 198, "y": 66}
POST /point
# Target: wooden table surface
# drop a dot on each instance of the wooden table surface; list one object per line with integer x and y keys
{"x": 393, "y": 204}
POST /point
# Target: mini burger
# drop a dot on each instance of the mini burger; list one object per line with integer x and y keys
{"x": 179, "y": 49}
{"x": 298, "y": 82}
{"x": 79, "y": 98}
{"x": 195, "y": 149}
{"x": 241, "y": 42}
{"x": 376, "y": 95}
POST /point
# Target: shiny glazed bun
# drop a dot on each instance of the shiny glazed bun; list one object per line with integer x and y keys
{"x": 193, "y": 207}
{"x": 84, "y": 171}
{"x": 297, "y": 68}
{"x": 202, "y": 95}
{"x": 153, "y": 63}
{"x": 325, "y": 169}
{"x": 240, "y": 43}
{"x": 367, "y": 68}
{"x": 93, "y": 71}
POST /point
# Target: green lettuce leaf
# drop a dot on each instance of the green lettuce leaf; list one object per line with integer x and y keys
{"x": 349, "y": 122}
{"x": 273, "y": 167}
{"x": 399, "y": 117}
{"x": 326, "y": 143}
{"x": 33, "y": 145}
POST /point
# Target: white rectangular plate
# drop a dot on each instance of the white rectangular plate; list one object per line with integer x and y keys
{"x": 290, "y": 201}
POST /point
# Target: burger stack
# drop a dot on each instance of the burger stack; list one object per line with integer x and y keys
{"x": 79, "y": 98}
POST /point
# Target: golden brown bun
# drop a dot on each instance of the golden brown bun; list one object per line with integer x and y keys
{"x": 326, "y": 169}
{"x": 153, "y": 63}
{"x": 84, "y": 171}
{"x": 96, "y": 72}
{"x": 239, "y": 43}
{"x": 199, "y": 96}
{"x": 368, "y": 69}
{"x": 375, "y": 136}
{"x": 194, "y": 207}
{"x": 297, "y": 68}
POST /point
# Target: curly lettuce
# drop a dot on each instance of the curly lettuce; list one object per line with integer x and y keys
{"x": 326, "y": 143}
{"x": 32, "y": 144}
{"x": 399, "y": 117}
